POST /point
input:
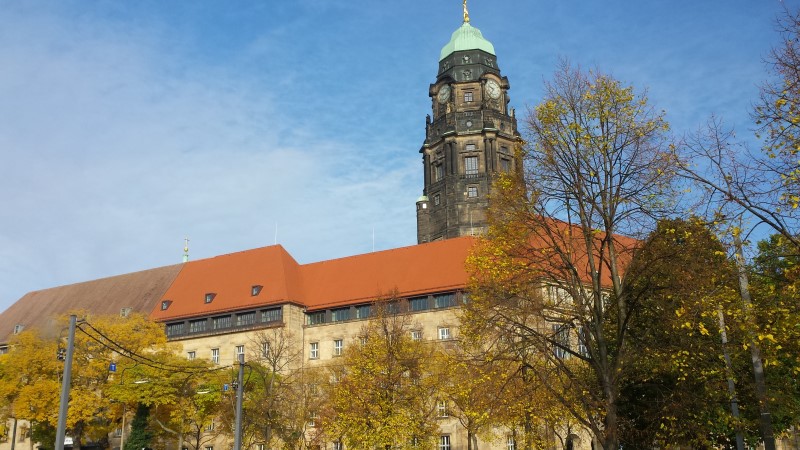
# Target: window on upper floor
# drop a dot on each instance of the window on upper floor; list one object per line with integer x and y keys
{"x": 18, "y": 328}
{"x": 438, "y": 172}
{"x": 441, "y": 408}
{"x": 313, "y": 351}
{"x": 312, "y": 419}
{"x": 444, "y": 300}
{"x": 418, "y": 303}
{"x": 561, "y": 340}
{"x": 416, "y": 335}
{"x": 174, "y": 329}
{"x": 272, "y": 315}
{"x": 470, "y": 147}
{"x": 316, "y": 317}
{"x": 191, "y": 355}
{"x": 247, "y": 318}
{"x": 215, "y": 355}
{"x": 198, "y": 326}
{"x": 468, "y": 96}
{"x": 444, "y": 333}
{"x": 472, "y": 191}
{"x": 471, "y": 165}
{"x": 239, "y": 352}
{"x": 221, "y": 322}
{"x": 363, "y": 311}
{"x": 338, "y": 347}
{"x": 338, "y": 315}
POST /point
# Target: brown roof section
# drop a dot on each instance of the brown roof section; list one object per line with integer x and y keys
{"x": 438, "y": 266}
{"x": 406, "y": 271}
{"x": 139, "y": 291}
{"x": 230, "y": 277}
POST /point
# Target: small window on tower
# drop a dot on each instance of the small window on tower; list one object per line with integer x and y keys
{"x": 468, "y": 96}
{"x": 436, "y": 200}
{"x": 438, "y": 172}
{"x": 472, "y": 191}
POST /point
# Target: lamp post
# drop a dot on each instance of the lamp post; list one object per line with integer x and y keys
{"x": 65, "y": 385}
{"x": 237, "y": 440}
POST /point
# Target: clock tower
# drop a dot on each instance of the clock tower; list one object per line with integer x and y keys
{"x": 470, "y": 137}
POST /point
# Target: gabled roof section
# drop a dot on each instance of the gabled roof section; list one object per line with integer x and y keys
{"x": 139, "y": 291}
{"x": 231, "y": 277}
{"x": 407, "y": 271}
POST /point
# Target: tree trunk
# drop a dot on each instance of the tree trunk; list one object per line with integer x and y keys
{"x": 765, "y": 421}
{"x": 610, "y": 435}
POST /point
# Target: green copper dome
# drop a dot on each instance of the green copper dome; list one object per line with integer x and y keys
{"x": 466, "y": 37}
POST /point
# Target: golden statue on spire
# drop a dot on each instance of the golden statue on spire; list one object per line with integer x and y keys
{"x": 466, "y": 13}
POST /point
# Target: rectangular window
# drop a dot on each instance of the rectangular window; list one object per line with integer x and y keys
{"x": 418, "y": 303}
{"x": 441, "y": 408}
{"x": 272, "y": 315}
{"x": 437, "y": 200}
{"x": 191, "y": 355}
{"x": 313, "y": 351}
{"x": 444, "y": 333}
{"x": 393, "y": 308}
{"x": 472, "y": 191}
{"x": 209, "y": 447}
{"x": 470, "y": 147}
{"x": 215, "y": 355}
{"x": 260, "y": 447}
{"x": 239, "y": 352}
{"x": 363, "y": 311}
{"x": 438, "y": 172}
{"x": 511, "y": 443}
{"x": 583, "y": 338}
{"x": 209, "y": 427}
{"x": 337, "y": 445}
{"x": 265, "y": 350}
{"x": 198, "y": 326}
{"x": 174, "y": 329}
{"x": 468, "y": 96}
{"x": 444, "y": 300}
{"x": 118, "y": 432}
{"x": 247, "y": 318}
{"x": 561, "y": 338}
{"x": 316, "y": 318}
{"x": 338, "y": 347}
{"x": 218, "y": 323}
{"x": 338, "y": 315}
{"x": 444, "y": 442}
{"x": 505, "y": 165}
{"x": 312, "y": 419}
{"x": 416, "y": 335}
{"x": 471, "y": 165}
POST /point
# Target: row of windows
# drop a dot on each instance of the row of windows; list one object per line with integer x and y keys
{"x": 471, "y": 168}
{"x": 238, "y": 351}
{"x": 338, "y": 344}
{"x": 226, "y": 321}
{"x": 414, "y": 304}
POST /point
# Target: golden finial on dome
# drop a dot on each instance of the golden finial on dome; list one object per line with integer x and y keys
{"x": 466, "y": 13}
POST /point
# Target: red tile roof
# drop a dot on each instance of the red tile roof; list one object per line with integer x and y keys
{"x": 406, "y": 271}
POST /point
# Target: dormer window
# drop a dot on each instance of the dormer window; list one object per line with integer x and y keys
{"x": 165, "y": 304}
{"x": 210, "y": 297}
{"x": 18, "y": 328}
{"x": 125, "y": 312}
{"x": 255, "y": 290}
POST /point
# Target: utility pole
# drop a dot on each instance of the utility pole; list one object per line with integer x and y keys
{"x": 65, "y": 385}
{"x": 237, "y": 440}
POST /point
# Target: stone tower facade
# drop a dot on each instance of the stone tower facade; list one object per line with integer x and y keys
{"x": 470, "y": 137}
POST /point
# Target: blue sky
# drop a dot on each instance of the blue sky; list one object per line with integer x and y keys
{"x": 127, "y": 126}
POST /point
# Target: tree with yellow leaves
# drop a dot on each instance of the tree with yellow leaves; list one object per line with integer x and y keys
{"x": 550, "y": 284}
{"x": 386, "y": 391}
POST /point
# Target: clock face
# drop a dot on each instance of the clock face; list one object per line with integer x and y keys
{"x": 493, "y": 89}
{"x": 444, "y": 94}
